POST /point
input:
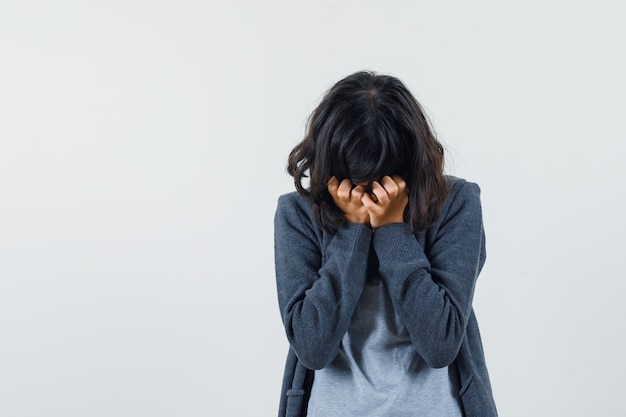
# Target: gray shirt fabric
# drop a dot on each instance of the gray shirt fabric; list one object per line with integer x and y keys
{"x": 429, "y": 276}
{"x": 377, "y": 371}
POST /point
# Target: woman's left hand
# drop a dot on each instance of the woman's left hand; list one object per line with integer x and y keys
{"x": 390, "y": 200}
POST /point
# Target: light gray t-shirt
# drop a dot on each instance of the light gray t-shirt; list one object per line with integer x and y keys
{"x": 377, "y": 371}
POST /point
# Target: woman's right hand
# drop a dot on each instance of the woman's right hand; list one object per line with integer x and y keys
{"x": 348, "y": 199}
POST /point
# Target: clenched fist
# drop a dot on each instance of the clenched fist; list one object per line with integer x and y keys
{"x": 385, "y": 205}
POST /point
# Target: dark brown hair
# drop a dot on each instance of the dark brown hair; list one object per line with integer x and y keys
{"x": 368, "y": 126}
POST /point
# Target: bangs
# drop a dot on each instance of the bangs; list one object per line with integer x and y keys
{"x": 367, "y": 157}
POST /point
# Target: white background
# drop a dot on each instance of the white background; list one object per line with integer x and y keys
{"x": 143, "y": 147}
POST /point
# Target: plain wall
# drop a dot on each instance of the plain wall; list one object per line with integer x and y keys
{"x": 143, "y": 147}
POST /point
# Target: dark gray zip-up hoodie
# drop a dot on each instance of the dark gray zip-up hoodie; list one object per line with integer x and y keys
{"x": 430, "y": 277}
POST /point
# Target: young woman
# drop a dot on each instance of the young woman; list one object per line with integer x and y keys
{"x": 376, "y": 263}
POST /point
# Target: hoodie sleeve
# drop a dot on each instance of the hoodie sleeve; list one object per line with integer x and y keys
{"x": 432, "y": 293}
{"x": 317, "y": 293}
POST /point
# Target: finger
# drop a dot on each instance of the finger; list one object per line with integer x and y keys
{"x": 357, "y": 192}
{"x": 333, "y": 184}
{"x": 343, "y": 192}
{"x": 371, "y": 205}
{"x": 390, "y": 186}
{"x": 368, "y": 202}
{"x": 400, "y": 182}
{"x": 380, "y": 192}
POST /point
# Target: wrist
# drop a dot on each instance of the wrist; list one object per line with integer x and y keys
{"x": 357, "y": 219}
{"x": 386, "y": 222}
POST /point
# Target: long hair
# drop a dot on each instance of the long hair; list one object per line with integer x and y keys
{"x": 368, "y": 126}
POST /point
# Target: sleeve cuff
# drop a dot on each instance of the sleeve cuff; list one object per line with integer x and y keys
{"x": 397, "y": 243}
